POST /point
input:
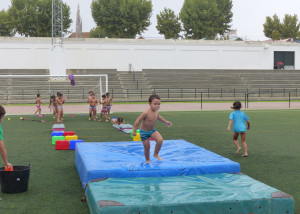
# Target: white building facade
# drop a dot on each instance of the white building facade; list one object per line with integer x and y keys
{"x": 35, "y": 53}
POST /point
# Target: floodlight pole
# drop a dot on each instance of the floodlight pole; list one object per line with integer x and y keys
{"x": 57, "y": 23}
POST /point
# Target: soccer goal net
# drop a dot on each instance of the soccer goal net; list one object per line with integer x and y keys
{"x": 17, "y": 89}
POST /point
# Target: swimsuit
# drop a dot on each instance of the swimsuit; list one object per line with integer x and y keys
{"x": 38, "y": 105}
{"x": 93, "y": 107}
{"x": 145, "y": 135}
{"x": 104, "y": 110}
{"x": 108, "y": 107}
{"x": 59, "y": 107}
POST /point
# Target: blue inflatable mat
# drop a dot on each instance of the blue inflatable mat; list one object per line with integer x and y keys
{"x": 194, "y": 194}
{"x": 126, "y": 159}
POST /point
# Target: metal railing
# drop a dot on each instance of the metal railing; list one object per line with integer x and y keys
{"x": 167, "y": 94}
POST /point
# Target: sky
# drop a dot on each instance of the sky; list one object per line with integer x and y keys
{"x": 248, "y": 15}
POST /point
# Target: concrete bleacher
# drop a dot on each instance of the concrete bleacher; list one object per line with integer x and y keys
{"x": 261, "y": 84}
{"x": 179, "y": 84}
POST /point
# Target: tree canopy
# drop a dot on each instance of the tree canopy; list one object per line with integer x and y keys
{"x": 34, "y": 17}
{"x": 122, "y": 18}
{"x": 5, "y": 25}
{"x": 206, "y": 18}
{"x": 275, "y": 29}
{"x": 168, "y": 24}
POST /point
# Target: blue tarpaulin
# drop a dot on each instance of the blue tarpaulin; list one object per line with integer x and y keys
{"x": 126, "y": 159}
{"x": 193, "y": 194}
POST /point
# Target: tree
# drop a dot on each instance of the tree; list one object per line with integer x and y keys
{"x": 289, "y": 28}
{"x": 206, "y": 18}
{"x": 122, "y": 18}
{"x": 34, "y": 17}
{"x": 272, "y": 27}
{"x": 168, "y": 24}
{"x": 5, "y": 25}
{"x": 97, "y": 32}
{"x": 225, "y": 16}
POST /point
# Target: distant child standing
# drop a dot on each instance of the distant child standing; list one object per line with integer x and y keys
{"x": 60, "y": 100}
{"x": 38, "y": 102}
{"x": 93, "y": 106}
{"x": 109, "y": 102}
{"x": 2, "y": 147}
{"x": 53, "y": 104}
{"x": 102, "y": 101}
{"x": 147, "y": 130}
{"x": 238, "y": 118}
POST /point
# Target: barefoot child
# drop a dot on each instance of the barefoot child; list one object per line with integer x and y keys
{"x": 238, "y": 119}
{"x": 147, "y": 130}
{"x": 38, "y": 104}
{"x": 104, "y": 109}
{"x": 109, "y": 102}
{"x": 53, "y": 104}
{"x": 93, "y": 106}
{"x": 60, "y": 101}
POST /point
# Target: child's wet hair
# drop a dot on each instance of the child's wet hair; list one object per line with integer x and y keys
{"x": 59, "y": 94}
{"x": 91, "y": 92}
{"x": 52, "y": 97}
{"x": 237, "y": 105}
{"x": 38, "y": 95}
{"x": 107, "y": 93}
{"x": 2, "y": 111}
{"x": 103, "y": 96}
{"x": 153, "y": 97}
{"x": 120, "y": 120}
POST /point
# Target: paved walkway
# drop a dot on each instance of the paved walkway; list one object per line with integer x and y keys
{"x": 73, "y": 109}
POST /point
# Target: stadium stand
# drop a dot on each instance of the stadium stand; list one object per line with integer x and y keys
{"x": 170, "y": 84}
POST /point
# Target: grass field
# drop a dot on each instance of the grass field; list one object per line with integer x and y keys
{"x": 54, "y": 187}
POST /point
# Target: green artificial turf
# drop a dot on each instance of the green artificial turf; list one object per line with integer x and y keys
{"x": 54, "y": 186}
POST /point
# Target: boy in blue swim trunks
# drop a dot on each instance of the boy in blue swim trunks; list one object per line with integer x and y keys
{"x": 238, "y": 119}
{"x": 147, "y": 130}
{"x": 93, "y": 106}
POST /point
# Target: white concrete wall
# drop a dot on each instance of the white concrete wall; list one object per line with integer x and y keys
{"x": 34, "y": 53}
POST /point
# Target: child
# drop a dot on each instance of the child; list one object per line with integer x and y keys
{"x": 239, "y": 127}
{"x": 104, "y": 109}
{"x": 109, "y": 102}
{"x": 2, "y": 147}
{"x": 90, "y": 96}
{"x": 38, "y": 104}
{"x": 60, "y": 101}
{"x": 93, "y": 106}
{"x": 147, "y": 129}
{"x": 54, "y": 105}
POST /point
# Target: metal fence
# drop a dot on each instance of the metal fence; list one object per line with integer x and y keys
{"x": 167, "y": 94}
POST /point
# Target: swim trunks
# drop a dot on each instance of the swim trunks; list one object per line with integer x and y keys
{"x": 59, "y": 107}
{"x": 145, "y": 135}
{"x": 108, "y": 107}
{"x": 104, "y": 110}
{"x": 93, "y": 107}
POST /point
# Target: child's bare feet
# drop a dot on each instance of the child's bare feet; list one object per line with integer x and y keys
{"x": 100, "y": 120}
{"x": 245, "y": 155}
{"x": 157, "y": 156}
{"x": 147, "y": 161}
{"x": 238, "y": 150}
{"x": 89, "y": 118}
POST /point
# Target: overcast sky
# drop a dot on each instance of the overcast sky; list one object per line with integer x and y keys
{"x": 248, "y": 15}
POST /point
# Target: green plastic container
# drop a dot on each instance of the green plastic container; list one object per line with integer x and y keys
{"x": 55, "y": 138}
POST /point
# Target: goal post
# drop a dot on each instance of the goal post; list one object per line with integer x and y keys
{"x": 23, "y": 88}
